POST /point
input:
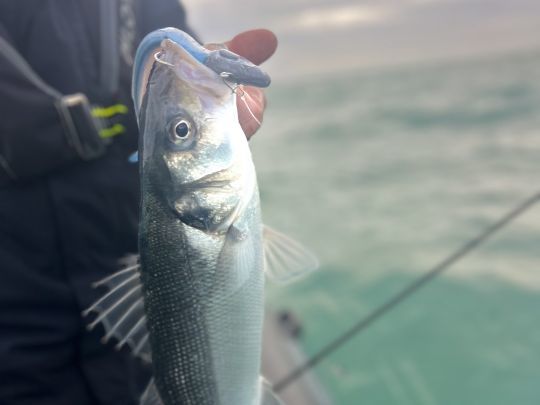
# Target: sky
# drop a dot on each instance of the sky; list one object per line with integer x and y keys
{"x": 324, "y": 36}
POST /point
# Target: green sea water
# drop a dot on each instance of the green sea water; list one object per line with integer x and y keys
{"x": 383, "y": 174}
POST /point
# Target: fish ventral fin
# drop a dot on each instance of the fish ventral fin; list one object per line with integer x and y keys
{"x": 121, "y": 310}
{"x": 268, "y": 396}
{"x": 284, "y": 258}
{"x": 151, "y": 395}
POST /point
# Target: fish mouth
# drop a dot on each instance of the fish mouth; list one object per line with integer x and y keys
{"x": 141, "y": 75}
{"x": 217, "y": 63}
{"x": 147, "y": 56}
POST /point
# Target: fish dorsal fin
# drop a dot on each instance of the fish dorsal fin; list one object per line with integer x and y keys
{"x": 121, "y": 311}
{"x": 268, "y": 396}
{"x": 285, "y": 259}
{"x": 151, "y": 395}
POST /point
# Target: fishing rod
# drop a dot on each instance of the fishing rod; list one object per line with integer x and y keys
{"x": 407, "y": 291}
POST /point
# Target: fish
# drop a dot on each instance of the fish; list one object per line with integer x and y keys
{"x": 192, "y": 301}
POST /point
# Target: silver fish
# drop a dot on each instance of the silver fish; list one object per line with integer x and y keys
{"x": 193, "y": 303}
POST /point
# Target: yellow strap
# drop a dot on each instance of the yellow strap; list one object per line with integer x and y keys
{"x": 106, "y": 112}
{"x": 116, "y": 129}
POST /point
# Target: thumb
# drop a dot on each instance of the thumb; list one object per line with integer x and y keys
{"x": 255, "y": 45}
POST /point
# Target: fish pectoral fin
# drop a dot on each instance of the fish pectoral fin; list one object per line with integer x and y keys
{"x": 121, "y": 311}
{"x": 284, "y": 258}
{"x": 268, "y": 396}
{"x": 151, "y": 395}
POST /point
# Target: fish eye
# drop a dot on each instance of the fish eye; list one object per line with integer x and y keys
{"x": 181, "y": 130}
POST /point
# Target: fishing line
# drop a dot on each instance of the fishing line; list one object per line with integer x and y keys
{"x": 225, "y": 76}
{"x": 410, "y": 289}
{"x": 243, "y": 98}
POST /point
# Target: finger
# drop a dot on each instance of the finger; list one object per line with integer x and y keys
{"x": 250, "y": 109}
{"x": 255, "y": 45}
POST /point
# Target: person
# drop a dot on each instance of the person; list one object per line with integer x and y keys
{"x": 68, "y": 194}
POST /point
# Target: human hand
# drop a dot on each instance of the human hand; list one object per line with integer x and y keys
{"x": 257, "y": 46}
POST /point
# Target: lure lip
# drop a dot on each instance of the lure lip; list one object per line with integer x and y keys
{"x": 230, "y": 66}
{"x": 237, "y": 69}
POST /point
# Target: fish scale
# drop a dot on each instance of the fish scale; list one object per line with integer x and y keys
{"x": 235, "y": 325}
{"x": 203, "y": 248}
{"x": 174, "y": 309}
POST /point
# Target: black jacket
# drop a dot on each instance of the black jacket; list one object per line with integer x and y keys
{"x": 65, "y": 221}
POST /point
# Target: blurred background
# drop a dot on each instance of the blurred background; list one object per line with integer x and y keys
{"x": 396, "y": 131}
